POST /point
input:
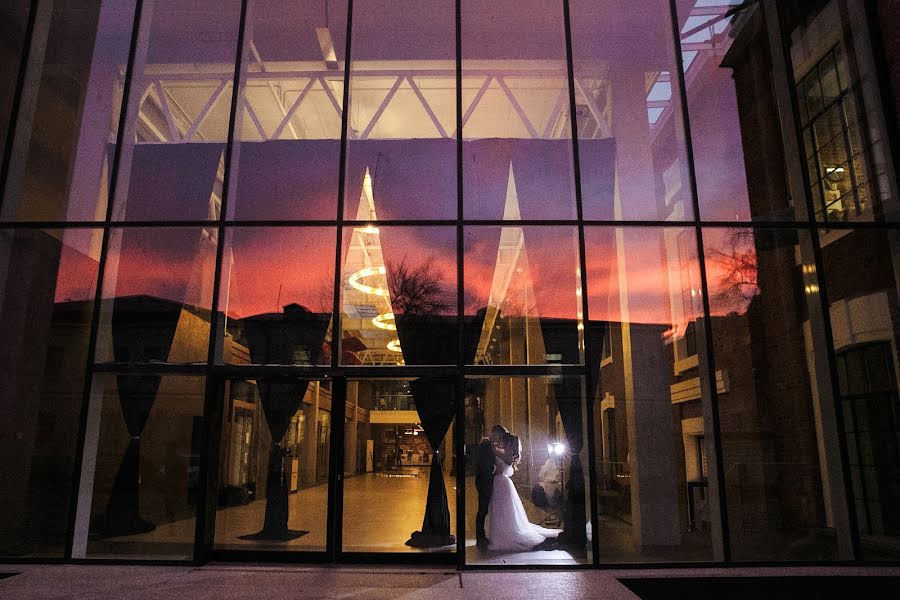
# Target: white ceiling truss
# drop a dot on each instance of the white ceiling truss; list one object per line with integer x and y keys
{"x": 190, "y": 103}
{"x": 176, "y": 107}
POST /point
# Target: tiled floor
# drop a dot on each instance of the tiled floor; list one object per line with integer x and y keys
{"x": 380, "y": 513}
{"x": 223, "y": 582}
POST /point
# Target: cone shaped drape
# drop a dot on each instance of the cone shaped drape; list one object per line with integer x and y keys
{"x": 280, "y": 339}
{"x": 136, "y": 319}
{"x": 571, "y": 407}
{"x": 136, "y": 396}
{"x": 432, "y": 340}
{"x": 280, "y": 400}
{"x": 436, "y": 404}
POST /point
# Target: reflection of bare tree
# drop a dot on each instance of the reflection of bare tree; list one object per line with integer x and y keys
{"x": 417, "y": 291}
{"x": 737, "y": 265}
{"x": 323, "y": 295}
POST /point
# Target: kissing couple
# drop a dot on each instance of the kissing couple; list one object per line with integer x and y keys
{"x": 508, "y": 528}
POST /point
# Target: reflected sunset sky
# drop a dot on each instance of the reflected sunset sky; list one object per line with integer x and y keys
{"x": 632, "y": 167}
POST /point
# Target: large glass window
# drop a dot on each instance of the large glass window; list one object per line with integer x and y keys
{"x": 515, "y": 105}
{"x": 732, "y": 114}
{"x": 141, "y": 472}
{"x": 273, "y": 470}
{"x": 177, "y": 118}
{"x": 288, "y": 129}
{"x": 523, "y": 296}
{"x": 398, "y": 486}
{"x": 276, "y": 294}
{"x": 533, "y": 470}
{"x": 68, "y": 114}
{"x": 48, "y": 278}
{"x": 14, "y": 15}
{"x": 860, "y": 273}
{"x": 687, "y": 354}
{"x": 631, "y": 138}
{"x": 398, "y": 296}
{"x": 402, "y": 113}
{"x": 157, "y": 295}
{"x": 654, "y": 499}
{"x": 775, "y": 431}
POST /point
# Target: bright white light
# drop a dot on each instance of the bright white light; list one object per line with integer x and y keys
{"x": 557, "y": 448}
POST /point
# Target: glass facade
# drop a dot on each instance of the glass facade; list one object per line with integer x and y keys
{"x": 273, "y": 272}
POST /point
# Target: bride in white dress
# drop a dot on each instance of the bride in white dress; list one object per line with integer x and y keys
{"x": 508, "y": 528}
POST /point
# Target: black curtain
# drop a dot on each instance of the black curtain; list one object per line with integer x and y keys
{"x": 570, "y": 405}
{"x": 432, "y": 340}
{"x": 563, "y": 337}
{"x": 136, "y": 396}
{"x": 436, "y": 404}
{"x": 280, "y": 400}
{"x": 143, "y": 328}
{"x": 281, "y": 339}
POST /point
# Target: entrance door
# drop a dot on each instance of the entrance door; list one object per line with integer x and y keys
{"x": 337, "y": 469}
{"x": 401, "y": 497}
{"x": 274, "y": 455}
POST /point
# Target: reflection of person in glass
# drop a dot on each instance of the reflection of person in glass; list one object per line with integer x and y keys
{"x": 508, "y": 526}
{"x": 485, "y": 457}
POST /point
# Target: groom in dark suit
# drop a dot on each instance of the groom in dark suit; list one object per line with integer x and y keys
{"x": 484, "y": 479}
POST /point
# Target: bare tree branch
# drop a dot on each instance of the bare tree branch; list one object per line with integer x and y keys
{"x": 738, "y": 283}
{"x": 417, "y": 291}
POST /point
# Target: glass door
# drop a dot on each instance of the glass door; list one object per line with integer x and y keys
{"x": 398, "y": 480}
{"x": 273, "y": 468}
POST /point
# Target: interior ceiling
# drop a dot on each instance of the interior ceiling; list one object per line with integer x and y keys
{"x": 291, "y": 93}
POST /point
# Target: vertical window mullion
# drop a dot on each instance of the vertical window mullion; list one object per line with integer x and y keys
{"x": 206, "y": 506}
{"x": 585, "y": 322}
{"x": 709, "y": 372}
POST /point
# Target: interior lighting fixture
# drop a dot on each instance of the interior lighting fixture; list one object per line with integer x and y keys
{"x": 556, "y": 448}
{"x": 385, "y": 321}
{"x": 368, "y": 289}
{"x": 394, "y": 345}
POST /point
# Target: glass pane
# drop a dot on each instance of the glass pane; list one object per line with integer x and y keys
{"x": 402, "y": 114}
{"x": 276, "y": 293}
{"x": 172, "y": 159}
{"x": 779, "y": 505}
{"x": 14, "y": 14}
{"x": 516, "y": 128}
{"x": 526, "y": 459}
{"x": 398, "y": 295}
{"x": 833, "y": 60}
{"x": 631, "y": 142}
{"x": 273, "y": 465}
{"x": 48, "y": 279}
{"x": 141, "y": 473}
{"x": 399, "y": 491}
{"x": 69, "y": 111}
{"x": 285, "y": 159}
{"x": 157, "y": 295}
{"x": 644, "y": 298}
{"x": 523, "y": 296}
{"x": 860, "y": 275}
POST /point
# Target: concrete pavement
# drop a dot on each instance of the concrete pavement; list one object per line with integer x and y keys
{"x": 270, "y": 582}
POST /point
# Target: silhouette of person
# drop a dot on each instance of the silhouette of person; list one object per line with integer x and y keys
{"x": 485, "y": 454}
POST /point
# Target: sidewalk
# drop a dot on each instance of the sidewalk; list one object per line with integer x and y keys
{"x": 270, "y": 582}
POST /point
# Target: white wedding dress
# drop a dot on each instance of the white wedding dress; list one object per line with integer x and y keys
{"x": 508, "y": 527}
